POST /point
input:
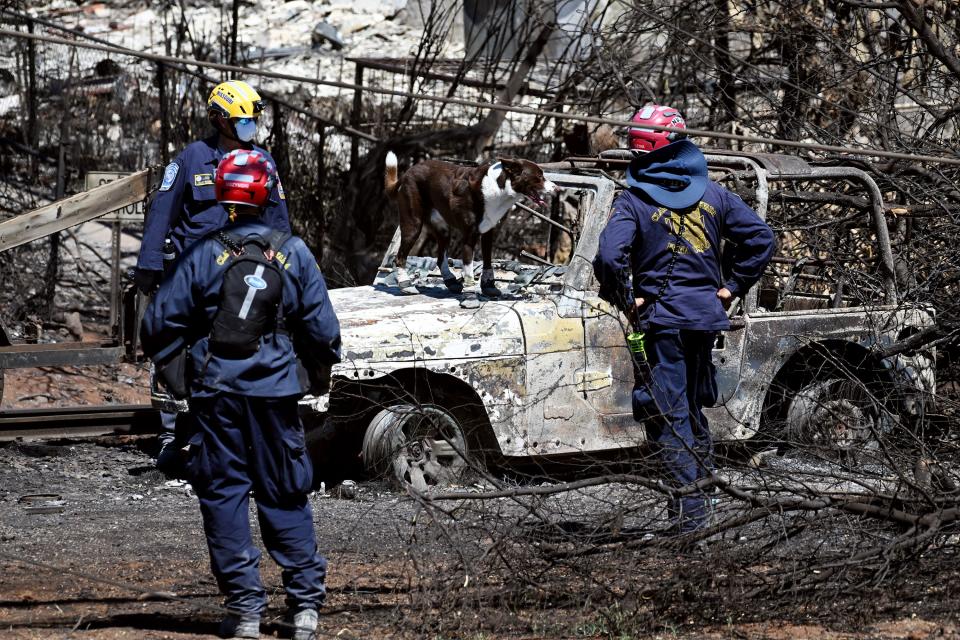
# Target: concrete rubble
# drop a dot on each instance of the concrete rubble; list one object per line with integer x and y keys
{"x": 299, "y": 37}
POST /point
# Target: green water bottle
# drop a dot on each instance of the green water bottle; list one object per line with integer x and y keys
{"x": 635, "y": 342}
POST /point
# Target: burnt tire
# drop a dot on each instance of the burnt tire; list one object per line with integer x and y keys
{"x": 420, "y": 446}
{"x": 832, "y": 401}
{"x": 835, "y": 417}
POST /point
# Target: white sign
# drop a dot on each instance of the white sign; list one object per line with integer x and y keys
{"x": 131, "y": 212}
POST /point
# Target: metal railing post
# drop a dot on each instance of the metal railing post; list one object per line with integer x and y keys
{"x": 355, "y": 114}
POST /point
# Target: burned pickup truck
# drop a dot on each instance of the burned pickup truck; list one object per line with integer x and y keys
{"x": 431, "y": 381}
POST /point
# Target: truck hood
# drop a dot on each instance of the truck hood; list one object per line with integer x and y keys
{"x": 379, "y": 324}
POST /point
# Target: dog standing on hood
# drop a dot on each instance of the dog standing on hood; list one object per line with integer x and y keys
{"x": 472, "y": 200}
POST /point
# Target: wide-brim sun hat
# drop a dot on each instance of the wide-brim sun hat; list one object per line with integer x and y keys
{"x": 673, "y": 176}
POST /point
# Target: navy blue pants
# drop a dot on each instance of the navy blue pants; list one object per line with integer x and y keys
{"x": 245, "y": 444}
{"x": 672, "y": 387}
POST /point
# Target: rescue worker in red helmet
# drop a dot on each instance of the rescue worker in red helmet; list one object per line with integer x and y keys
{"x": 646, "y": 139}
{"x": 658, "y": 260}
{"x": 186, "y": 209}
{"x": 236, "y": 303}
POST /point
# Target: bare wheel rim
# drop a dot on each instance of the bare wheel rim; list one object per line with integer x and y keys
{"x": 422, "y": 445}
{"x": 833, "y": 415}
{"x": 841, "y": 424}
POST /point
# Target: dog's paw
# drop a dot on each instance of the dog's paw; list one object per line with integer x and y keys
{"x": 470, "y": 301}
{"x": 489, "y": 289}
{"x": 406, "y": 286}
{"x": 453, "y": 285}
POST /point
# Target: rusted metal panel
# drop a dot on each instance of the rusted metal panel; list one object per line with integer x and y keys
{"x": 501, "y": 385}
{"x": 63, "y": 354}
{"x": 605, "y": 352}
{"x": 545, "y": 331}
{"x": 72, "y": 422}
{"x": 772, "y": 338}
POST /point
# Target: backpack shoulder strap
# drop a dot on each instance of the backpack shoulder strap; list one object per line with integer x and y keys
{"x": 231, "y": 241}
{"x": 277, "y": 238}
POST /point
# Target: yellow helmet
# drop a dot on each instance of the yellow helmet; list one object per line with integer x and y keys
{"x": 235, "y": 99}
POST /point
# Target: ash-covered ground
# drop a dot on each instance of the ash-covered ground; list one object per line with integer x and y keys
{"x": 103, "y": 529}
{"x": 94, "y": 543}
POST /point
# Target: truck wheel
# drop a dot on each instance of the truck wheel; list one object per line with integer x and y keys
{"x": 835, "y": 416}
{"x": 417, "y": 445}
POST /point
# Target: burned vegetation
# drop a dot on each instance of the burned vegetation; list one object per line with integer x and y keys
{"x": 522, "y": 501}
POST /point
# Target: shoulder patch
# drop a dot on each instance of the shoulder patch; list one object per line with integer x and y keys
{"x": 280, "y": 192}
{"x": 169, "y": 176}
{"x": 202, "y": 179}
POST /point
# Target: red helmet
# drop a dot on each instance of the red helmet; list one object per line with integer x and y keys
{"x": 648, "y": 139}
{"x": 245, "y": 177}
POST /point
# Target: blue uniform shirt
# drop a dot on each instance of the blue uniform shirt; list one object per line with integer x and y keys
{"x": 181, "y": 313}
{"x": 640, "y": 237}
{"x": 186, "y": 208}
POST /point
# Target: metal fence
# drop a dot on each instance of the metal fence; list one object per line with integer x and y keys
{"x": 66, "y": 111}
{"x": 386, "y": 117}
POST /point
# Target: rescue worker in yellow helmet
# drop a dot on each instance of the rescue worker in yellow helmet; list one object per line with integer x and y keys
{"x": 233, "y": 108}
{"x": 185, "y": 208}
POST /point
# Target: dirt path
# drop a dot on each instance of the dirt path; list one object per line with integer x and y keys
{"x": 72, "y": 386}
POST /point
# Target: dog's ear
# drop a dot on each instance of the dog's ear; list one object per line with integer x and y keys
{"x": 511, "y": 165}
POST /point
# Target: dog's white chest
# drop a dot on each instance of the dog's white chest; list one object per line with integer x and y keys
{"x": 496, "y": 201}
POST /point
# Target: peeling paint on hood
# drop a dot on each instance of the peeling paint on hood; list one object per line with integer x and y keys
{"x": 379, "y": 324}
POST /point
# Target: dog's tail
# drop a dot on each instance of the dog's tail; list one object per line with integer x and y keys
{"x": 391, "y": 179}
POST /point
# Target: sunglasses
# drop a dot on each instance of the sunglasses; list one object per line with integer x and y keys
{"x": 246, "y": 120}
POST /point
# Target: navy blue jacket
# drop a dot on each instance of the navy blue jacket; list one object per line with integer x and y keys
{"x": 181, "y": 313}
{"x": 638, "y": 241}
{"x": 186, "y": 208}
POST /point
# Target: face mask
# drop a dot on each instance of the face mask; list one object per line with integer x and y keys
{"x": 246, "y": 129}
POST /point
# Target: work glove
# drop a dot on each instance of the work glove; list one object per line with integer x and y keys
{"x": 147, "y": 280}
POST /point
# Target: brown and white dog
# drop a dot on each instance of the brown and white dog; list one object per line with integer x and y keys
{"x": 473, "y": 200}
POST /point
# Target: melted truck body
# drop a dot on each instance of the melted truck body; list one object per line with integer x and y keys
{"x": 544, "y": 370}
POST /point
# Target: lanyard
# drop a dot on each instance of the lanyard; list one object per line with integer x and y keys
{"x": 673, "y": 257}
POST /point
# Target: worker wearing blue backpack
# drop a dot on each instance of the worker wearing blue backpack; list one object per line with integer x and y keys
{"x": 236, "y": 325}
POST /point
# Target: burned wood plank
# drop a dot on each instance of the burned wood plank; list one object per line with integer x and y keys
{"x": 75, "y": 210}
